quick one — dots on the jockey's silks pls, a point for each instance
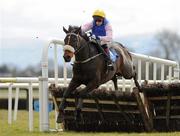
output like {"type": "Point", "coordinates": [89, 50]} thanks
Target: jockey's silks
{"type": "Point", "coordinates": [99, 30]}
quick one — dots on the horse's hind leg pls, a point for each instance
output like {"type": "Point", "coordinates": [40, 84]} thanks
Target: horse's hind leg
{"type": "Point", "coordinates": [114, 79]}
{"type": "Point", "coordinates": [136, 82]}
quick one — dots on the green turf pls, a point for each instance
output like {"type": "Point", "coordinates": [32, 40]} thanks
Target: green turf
{"type": "Point", "coordinates": [20, 128]}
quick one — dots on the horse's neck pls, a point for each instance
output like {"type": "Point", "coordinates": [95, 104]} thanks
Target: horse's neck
{"type": "Point", "coordinates": [93, 49]}
{"type": "Point", "coordinates": [84, 53]}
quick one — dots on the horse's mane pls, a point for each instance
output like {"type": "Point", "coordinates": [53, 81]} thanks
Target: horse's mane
{"type": "Point", "coordinates": [73, 29]}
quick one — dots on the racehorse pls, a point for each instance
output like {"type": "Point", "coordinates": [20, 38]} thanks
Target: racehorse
{"type": "Point", "coordinates": [90, 68]}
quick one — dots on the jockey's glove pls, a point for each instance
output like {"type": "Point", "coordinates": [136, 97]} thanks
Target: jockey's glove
{"type": "Point", "coordinates": [95, 37]}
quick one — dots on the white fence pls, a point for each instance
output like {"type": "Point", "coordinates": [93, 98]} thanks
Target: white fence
{"type": "Point", "coordinates": [146, 66]}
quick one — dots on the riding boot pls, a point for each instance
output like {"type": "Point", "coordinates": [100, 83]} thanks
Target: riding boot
{"type": "Point", "coordinates": [107, 56]}
{"type": "Point", "coordinates": [101, 49]}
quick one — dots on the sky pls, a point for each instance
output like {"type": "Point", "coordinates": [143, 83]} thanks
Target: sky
{"type": "Point", "coordinates": [25, 25]}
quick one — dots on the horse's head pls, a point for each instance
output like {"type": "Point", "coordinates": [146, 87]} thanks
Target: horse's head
{"type": "Point", "coordinates": [72, 42]}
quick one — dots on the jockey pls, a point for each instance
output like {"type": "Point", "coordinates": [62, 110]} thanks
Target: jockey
{"type": "Point", "coordinates": [102, 31]}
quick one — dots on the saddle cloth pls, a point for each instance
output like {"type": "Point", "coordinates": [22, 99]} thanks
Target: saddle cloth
{"type": "Point", "coordinates": [113, 54]}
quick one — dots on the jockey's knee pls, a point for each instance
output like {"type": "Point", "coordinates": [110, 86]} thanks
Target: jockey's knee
{"type": "Point", "coordinates": [106, 49]}
{"type": "Point", "coordinates": [104, 46]}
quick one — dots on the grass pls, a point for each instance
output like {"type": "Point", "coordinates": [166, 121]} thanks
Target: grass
{"type": "Point", "coordinates": [20, 128]}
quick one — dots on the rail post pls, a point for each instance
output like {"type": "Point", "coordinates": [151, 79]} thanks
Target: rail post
{"type": "Point", "coordinates": [44, 96]}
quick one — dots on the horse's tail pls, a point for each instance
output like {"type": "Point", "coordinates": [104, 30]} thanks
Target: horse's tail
{"type": "Point", "coordinates": [124, 48]}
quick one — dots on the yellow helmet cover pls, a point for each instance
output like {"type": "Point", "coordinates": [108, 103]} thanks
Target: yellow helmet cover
{"type": "Point", "coordinates": [99, 13]}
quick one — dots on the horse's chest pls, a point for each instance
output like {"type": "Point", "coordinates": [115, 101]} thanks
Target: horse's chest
{"type": "Point", "coordinates": [85, 72]}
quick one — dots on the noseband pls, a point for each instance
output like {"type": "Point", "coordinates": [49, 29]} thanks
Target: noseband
{"type": "Point", "coordinates": [70, 47]}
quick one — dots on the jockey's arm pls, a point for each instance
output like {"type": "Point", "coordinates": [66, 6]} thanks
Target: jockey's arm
{"type": "Point", "coordinates": [86, 27]}
{"type": "Point", "coordinates": [108, 37]}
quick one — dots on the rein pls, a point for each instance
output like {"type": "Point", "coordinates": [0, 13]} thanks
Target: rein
{"type": "Point", "coordinates": [71, 48]}
{"type": "Point", "coordinates": [76, 51]}
{"type": "Point", "coordinates": [87, 60]}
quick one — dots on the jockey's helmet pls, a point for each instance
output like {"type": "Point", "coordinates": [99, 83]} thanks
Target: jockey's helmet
{"type": "Point", "coordinates": [99, 13]}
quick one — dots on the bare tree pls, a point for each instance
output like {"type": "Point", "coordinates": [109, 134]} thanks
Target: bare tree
{"type": "Point", "coordinates": [169, 42]}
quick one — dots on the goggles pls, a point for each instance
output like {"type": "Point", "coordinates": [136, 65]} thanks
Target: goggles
{"type": "Point", "coordinates": [98, 20]}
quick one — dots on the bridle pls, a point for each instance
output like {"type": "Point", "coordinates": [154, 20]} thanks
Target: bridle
{"type": "Point", "coordinates": [78, 45]}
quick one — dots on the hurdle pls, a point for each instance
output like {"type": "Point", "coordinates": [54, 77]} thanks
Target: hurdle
{"type": "Point", "coordinates": [173, 75]}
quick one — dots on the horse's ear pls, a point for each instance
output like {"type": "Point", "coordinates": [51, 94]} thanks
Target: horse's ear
{"type": "Point", "coordinates": [78, 31]}
{"type": "Point", "coordinates": [70, 28]}
{"type": "Point", "coordinates": [65, 30]}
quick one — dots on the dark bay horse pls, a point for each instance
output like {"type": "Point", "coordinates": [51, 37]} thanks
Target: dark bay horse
{"type": "Point", "coordinates": [90, 66]}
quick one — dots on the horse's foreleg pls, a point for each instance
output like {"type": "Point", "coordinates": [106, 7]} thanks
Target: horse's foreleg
{"type": "Point", "coordinates": [90, 86]}
{"type": "Point", "coordinates": [72, 86]}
